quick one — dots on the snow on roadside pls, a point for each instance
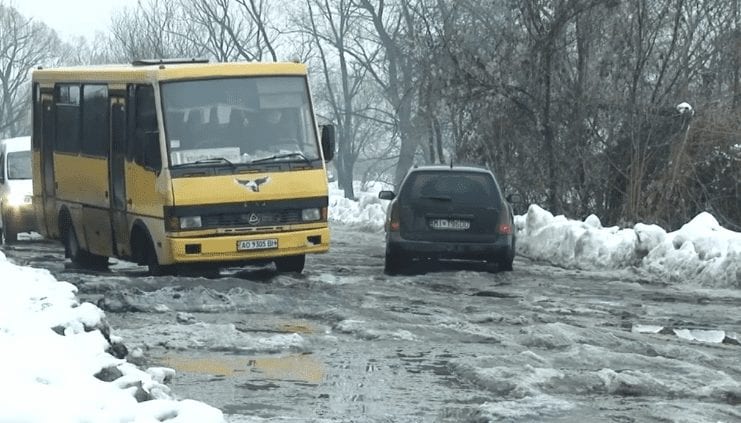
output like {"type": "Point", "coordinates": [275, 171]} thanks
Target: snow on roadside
{"type": "Point", "coordinates": [701, 252]}
{"type": "Point", "coordinates": [58, 361]}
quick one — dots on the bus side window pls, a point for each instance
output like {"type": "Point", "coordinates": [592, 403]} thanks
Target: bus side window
{"type": "Point", "coordinates": [68, 118]}
{"type": "Point", "coordinates": [146, 136]}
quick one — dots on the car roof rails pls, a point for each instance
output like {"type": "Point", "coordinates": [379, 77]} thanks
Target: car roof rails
{"type": "Point", "coordinates": [172, 61]}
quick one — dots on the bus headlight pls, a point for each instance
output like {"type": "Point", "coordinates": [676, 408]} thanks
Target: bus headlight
{"type": "Point", "coordinates": [190, 222]}
{"type": "Point", "coordinates": [310, 215]}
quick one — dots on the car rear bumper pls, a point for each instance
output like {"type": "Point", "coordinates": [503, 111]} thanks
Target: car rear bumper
{"type": "Point", "coordinates": [449, 250]}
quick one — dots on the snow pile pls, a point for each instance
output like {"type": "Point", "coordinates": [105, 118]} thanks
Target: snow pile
{"type": "Point", "coordinates": [700, 252]}
{"type": "Point", "coordinates": [368, 213]}
{"type": "Point", "coordinates": [59, 363]}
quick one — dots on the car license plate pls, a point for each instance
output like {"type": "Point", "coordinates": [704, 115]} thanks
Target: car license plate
{"type": "Point", "coordinates": [450, 224]}
{"type": "Point", "coordinates": [257, 244]}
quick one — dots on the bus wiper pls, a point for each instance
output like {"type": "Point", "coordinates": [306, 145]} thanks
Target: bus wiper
{"type": "Point", "coordinates": [212, 160]}
{"type": "Point", "coordinates": [297, 154]}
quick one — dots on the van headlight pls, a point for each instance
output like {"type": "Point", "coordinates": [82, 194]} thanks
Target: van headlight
{"type": "Point", "coordinates": [190, 222]}
{"type": "Point", "coordinates": [311, 215]}
{"type": "Point", "coordinates": [16, 200]}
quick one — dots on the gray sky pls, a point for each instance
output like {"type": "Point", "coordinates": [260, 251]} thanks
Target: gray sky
{"type": "Point", "coordinates": [71, 18]}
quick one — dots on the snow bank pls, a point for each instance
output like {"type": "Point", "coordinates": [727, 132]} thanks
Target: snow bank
{"type": "Point", "coordinates": [700, 252]}
{"type": "Point", "coordinates": [58, 364]}
{"type": "Point", "coordinates": [367, 213]}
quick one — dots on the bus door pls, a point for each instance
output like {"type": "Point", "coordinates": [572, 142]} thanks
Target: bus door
{"type": "Point", "coordinates": [49, 224]}
{"type": "Point", "coordinates": [117, 179]}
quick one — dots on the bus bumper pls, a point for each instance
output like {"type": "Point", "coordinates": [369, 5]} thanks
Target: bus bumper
{"type": "Point", "coordinates": [215, 249]}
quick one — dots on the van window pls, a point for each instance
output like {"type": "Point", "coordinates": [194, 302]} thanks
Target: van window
{"type": "Point", "coordinates": [19, 165]}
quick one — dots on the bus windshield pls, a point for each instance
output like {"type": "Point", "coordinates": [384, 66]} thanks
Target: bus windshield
{"type": "Point", "coordinates": [239, 120]}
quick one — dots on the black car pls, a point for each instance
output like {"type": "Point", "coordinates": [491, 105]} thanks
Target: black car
{"type": "Point", "coordinates": [448, 212]}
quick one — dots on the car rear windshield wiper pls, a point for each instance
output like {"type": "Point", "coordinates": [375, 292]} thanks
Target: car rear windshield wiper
{"type": "Point", "coordinates": [297, 154]}
{"type": "Point", "coordinates": [437, 197]}
{"type": "Point", "coordinates": [212, 160]}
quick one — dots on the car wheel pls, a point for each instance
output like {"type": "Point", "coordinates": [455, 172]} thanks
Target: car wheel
{"type": "Point", "coordinates": [394, 261]}
{"type": "Point", "coordinates": [10, 234]}
{"type": "Point", "coordinates": [290, 264]}
{"type": "Point", "coordinates": [505, 262]}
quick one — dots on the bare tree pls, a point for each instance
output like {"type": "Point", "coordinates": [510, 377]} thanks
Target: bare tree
{"type": "Point", "coordinates": [24, 44]}
{"type": "Point", "coordinates": [155, 29]}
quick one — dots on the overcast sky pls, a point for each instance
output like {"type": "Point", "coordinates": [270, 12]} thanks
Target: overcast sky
{"type": "Point", "coordinates": [72, 18]}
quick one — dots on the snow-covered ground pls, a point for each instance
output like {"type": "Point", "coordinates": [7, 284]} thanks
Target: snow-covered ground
{"type": "Point", "coordinates": [58, 357]}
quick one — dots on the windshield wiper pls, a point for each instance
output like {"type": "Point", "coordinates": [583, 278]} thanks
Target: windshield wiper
{"type": "Point", "coordinates": [437, 197]}
{"type": "Point", "coordinates": [297, 154]}
{"type": "Point", "coordinates": [212, 160]}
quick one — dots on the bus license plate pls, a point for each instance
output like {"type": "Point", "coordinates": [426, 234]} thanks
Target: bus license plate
{"type": "Point", "coordinates": [450, 224]}
{"type": "Point", "coordinates": [257, 244]}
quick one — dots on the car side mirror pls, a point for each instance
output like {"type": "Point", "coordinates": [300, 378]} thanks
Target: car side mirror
{"type": "Point", "coordinates": [514, 198]}
{"type": "Point", "coordinates": [386, 195]}
{"type": "Point", "coordinates": [328, 141]}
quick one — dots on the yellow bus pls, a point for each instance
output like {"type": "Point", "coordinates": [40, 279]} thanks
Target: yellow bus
{"type": "Point", "coordinates": [170, 163]}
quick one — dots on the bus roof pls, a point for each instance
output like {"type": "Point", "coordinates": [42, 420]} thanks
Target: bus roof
{"type": "Point", "coordinates": [163, 72]}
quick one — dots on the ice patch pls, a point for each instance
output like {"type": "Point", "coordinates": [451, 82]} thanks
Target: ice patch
{"type": "Point", "coordinates": [712, 336]}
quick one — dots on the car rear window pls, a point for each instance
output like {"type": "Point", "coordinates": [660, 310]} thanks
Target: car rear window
{"type": "Point", "coordinates": [461, 187]}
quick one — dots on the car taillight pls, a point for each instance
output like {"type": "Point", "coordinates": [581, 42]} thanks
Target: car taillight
{"type": "Point", "coordinates": [504, 229]}
{"type": "Point", "coordinates": [393, 223]}
{"type": "Point", "coordinates": [505, 223]}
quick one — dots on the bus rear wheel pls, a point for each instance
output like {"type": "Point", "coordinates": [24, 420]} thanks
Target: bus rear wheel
{"type": "Point", "coordinates": [290, 264]}
{"type": "Point", "coordinates": [77, 255]}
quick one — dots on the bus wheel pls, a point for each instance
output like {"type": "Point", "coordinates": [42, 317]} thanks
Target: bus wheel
{"type": "Point", "coordinates": [290, 264]}
{"type": "Point", "coordinates": [153, 264]}
{"type": "Point", "coordinates": [72, 247]}
{"type": "Point", "coordinates": [78, 256]}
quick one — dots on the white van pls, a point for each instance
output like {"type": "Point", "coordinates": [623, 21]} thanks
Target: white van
{"type": "Point", "coordinates": [16, 188]}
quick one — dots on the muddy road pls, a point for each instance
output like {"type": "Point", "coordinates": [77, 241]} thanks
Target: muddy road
{"type": "Point", "coordinates": [344, 342]}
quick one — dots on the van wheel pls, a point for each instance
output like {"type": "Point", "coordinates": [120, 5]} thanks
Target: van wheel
{"type": "Point", "coordinates": [290, 264]}
{"type": "Point", "coordinates": [10, 234]}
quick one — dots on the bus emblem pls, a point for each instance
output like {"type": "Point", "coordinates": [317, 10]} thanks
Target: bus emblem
{"type": "Point", "coordinates": [254, 185]}
{"type": "Point", "coordinates": [254, 219]}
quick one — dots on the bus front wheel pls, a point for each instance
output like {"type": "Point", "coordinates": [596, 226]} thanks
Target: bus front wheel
{"type": "Point", "coordinates": [290, 264]}
{"type": "Point", "coordinates": [153, 263]}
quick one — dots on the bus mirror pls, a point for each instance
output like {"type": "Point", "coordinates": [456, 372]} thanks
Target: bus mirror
{"type": "Point", "coordinates": [328, 141]}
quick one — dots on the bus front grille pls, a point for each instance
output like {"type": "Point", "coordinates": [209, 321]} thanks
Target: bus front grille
{"type": "Point", "coordinates": [262, 218]}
